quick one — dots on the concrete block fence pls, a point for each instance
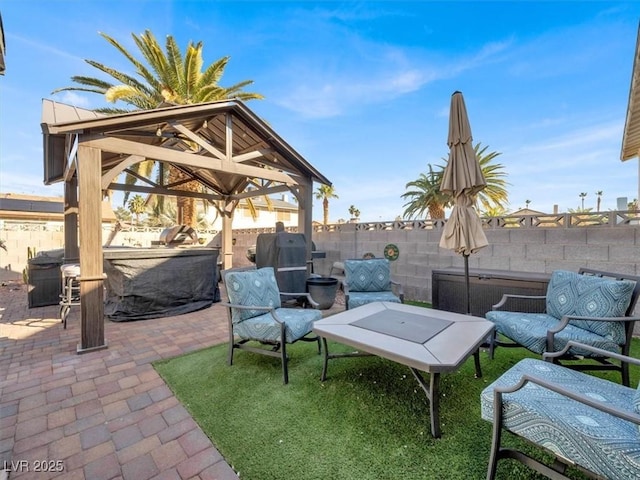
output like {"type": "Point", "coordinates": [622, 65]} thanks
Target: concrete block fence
{"type": "Point", "coordinates": [611, 247]}
{"type": "Point", "coordinates": [609, 244]}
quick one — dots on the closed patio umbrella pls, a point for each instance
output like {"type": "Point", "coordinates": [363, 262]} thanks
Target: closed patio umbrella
{"type": "Point", "coordinates": [463, 179]}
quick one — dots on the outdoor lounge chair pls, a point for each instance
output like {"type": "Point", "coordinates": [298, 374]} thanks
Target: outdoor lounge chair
{"type": "Point", "coordinates": [369, 280]}
{"type": "Point", "coordinates": [256, 314]}
{"type": "Point", "coordinates": [582, 420]}
{"type": "Point", "coordinates": [589, 307]}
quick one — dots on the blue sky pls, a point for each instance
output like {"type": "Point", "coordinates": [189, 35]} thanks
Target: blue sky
{"type": "Point", "coordinates": [362, 89]}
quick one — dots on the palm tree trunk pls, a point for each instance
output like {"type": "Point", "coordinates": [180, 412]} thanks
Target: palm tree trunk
{"type": "Point", "coordinates": [436, 211]}
{"type": "Point", "coordinates": [186, 206]}
{"type": "Point", "coordinates": [325, 210]}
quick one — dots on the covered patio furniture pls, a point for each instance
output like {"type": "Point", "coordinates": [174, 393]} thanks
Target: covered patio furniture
{"type": "Point", "coordinates": [582, 420]}
{"type": "Point", "coordinates": [369, 280]}
{"type": "Point", "coordinates": [256, 315]}
{"type": "Point", "coordinates": [590, 307]}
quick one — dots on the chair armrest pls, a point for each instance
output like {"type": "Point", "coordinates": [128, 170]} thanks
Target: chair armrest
{"type": "Point", "coordinates": [270, 310]}
{"type": "Point", "coordinates": [564, 321]}
{"type": "Point", "coordinates": [311, 301]}
{"type": "Point", "coordinates": [399, 289]}
{"type": "Point", "coordinates": [600, 319]}
{"type": "Point", "coordinates": [510, 296]}
{"type": "Point", "coordinates": [245, 307]}
{"type": "Point", "coordinates": [526, 378]}
{"type": "Point", "coordinates": [549, 356]}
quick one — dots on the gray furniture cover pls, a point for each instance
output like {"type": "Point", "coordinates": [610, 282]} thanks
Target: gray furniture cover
{"type": "Point", "coordinates": [287, 254]}
{"type": "Point", "coordinates": [159, 282]}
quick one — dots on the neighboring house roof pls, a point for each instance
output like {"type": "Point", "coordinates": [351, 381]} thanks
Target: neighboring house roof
{"type": "Point", "coordinates": [2, 48]}
{"type": "Point", "coordinates": [14, 206]}
{"type": "Point", "coordinates": [631, 135]}
{"type": "Point", "coordinates": [277, 204]}
{"type": "Point", "coordinates": [526, 211]}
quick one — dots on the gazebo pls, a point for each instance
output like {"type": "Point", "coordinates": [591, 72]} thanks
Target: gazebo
{"type": "Point", "coordinates": [223, 145]}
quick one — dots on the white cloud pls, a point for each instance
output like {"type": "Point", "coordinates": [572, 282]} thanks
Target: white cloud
{"type": "Point", "coordinates": [75, 99]}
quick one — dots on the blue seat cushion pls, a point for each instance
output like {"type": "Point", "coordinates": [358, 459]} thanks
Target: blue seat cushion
{"type": "Point", "coordinates": [298, 322]}
{"type": "Point", "coordinates": [357, 299]}
{"type": "Point", "coordinates": [602, 443]}
{"type": "Point", "coordinates": [257, 288]}
{"type": "Point", "coordinates": [530, 331]}
{"type": "Point", "coordinates": [571, 293]}
{"type": "Point", "coordinates": [371, 275]}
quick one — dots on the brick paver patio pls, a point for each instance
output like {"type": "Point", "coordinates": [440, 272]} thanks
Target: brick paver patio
{"type": "Point", "coordinates": [105, 414]}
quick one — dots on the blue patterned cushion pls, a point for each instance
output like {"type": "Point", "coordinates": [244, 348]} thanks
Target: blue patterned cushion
{"type": "Point", "coordinates": [257, 288]}
{"type": "Point", "coordinates": [595, 440]}
{"type": "Point", "coordinates": [571, 293]}
{"type": "Point", "coordinates": [357, 299]}
{"type": "Point", "coordinates": [298, 322]}
{"type": "Point", "coordinates": [372, 275]}
{"type": "Point", "coordinates": [530, 331]}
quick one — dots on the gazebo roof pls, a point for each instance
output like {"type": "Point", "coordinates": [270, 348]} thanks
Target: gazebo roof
{"type": "Point", "coordinates": [223, 145]}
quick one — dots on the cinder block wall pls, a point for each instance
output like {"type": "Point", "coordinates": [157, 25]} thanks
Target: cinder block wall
{"type": "Point", "coordinates": [530, 249]}
{"type": "Point", "coordinates": [615, 249]}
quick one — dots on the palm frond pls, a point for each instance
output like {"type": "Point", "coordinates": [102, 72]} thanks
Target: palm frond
{"type": "Point", "coordinates": [214, 72]}
{"type": "Point", "coordinates": [192, 68]}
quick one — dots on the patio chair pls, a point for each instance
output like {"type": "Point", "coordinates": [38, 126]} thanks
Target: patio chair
{"type": "Point", "coordinates": [256, 315]}
{"type": "Point", "coordinates": [337, 271]}
{"type": "Point", "coordinates": [591, 307]}
{"type": "Point", "coordinates": [369, 280]}
{"type": "Point", "coordinates": [582, 420]}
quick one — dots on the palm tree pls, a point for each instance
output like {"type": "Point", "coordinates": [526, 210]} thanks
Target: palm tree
{"type": "Point", "coordinates": [495, 194]}
{"type": "Point", "coordinates": [582, 197]}
{"type": "Point", "coordinates": [355, 213]}
{"type": "Point", "coordinates": [137, 205]}
{"type": "Point", "coordinates": [426, 196]}
{"type": "Point", "coordinates": [167, 77]}
{"type": "Point", "coordinates": [171, 77]}
{"type": "Point", "coordinates": [598, 200]}
{"type": "Point", "coordinates": [493, 212]}
{"type": "Point", "coordinates": [324, 193]}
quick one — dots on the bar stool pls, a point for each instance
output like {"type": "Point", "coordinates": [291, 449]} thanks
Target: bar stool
{"type": "Point", "coordinates": [70, 295]}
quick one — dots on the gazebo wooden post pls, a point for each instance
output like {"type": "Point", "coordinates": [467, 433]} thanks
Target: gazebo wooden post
{"type": "Point", "coordinates": [305, 215]}
{"type": "Point", "coordinates": [91, 268]}
{"type": "Point", "coordinates": [227, 236]}
{"type": "Point", "coordinates": [71, 251]}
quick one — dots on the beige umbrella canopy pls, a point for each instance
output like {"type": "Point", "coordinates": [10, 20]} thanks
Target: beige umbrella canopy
{"type": "Point", "coordinates": [463, 179]}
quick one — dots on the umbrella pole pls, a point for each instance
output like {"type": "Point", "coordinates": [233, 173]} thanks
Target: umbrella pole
{"type": "Point", "coordinates": [466, 281]}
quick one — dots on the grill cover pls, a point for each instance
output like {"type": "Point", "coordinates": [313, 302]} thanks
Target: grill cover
{"type": "Point", "coordinates": [287, 254]}
{"type": "Point", "coordinates": [159, 282]}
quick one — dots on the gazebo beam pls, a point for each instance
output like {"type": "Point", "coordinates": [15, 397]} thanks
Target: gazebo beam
{"type": "Point", "coordinates": [119, 145]}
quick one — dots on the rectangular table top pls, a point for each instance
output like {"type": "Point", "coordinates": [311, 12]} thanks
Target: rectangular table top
{"type": "Point", "coordinates": [423, 338]}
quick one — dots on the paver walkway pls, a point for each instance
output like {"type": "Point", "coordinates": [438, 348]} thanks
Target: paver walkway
{"type": "Point", "coordinates": [105, 414]}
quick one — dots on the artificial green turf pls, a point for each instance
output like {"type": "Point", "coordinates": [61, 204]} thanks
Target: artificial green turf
{"type": "Point", "coordinates": [368, 420]}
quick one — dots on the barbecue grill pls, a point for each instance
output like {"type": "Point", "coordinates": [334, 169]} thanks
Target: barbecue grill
{"type": "Point", "coordinates": [178, 235]}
